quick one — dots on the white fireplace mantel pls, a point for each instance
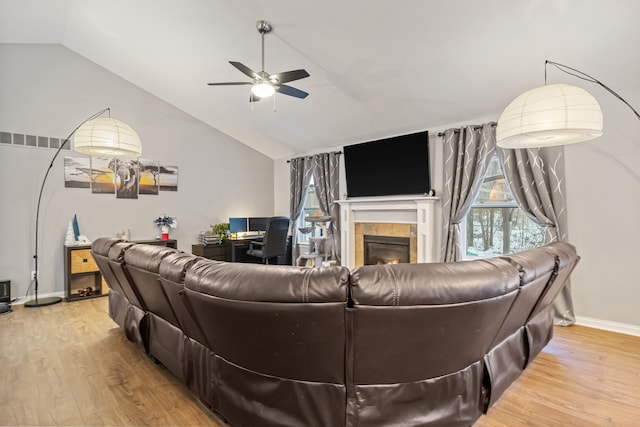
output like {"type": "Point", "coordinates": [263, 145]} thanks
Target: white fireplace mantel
{"type": "Point", "coordinates": [420, 210]}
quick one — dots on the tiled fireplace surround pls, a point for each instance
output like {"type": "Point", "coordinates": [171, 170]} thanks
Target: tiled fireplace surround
{"type": "Point", "coordinates": [413, 217]}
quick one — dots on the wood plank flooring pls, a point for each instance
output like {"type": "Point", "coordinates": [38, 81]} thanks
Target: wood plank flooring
{"type": "Point", "coordinates": [583, 377]}
{"type": "Point", "coordinates": [70, 364]}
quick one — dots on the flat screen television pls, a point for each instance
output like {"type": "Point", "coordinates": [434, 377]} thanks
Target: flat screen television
{"type": "Point", "coordinates": [388, 167]}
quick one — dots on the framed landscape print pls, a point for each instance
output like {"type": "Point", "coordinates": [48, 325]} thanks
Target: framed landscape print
{"type": "Point", "coordinates": [102, 175]}
{"type": "Point", "coordinates": [149, 176]}
{"type": "Point", "coordinates": [168, 178]}
{"type": "Point", "coordinates": [126, 178]}
{"type": "Point", "coordinates": [77, 172]}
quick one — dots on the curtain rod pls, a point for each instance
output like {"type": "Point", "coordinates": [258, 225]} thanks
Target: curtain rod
{"type": "Point", "coordinates": [311, 157]}
{"type": "Point", "coordinates": [493, 124]}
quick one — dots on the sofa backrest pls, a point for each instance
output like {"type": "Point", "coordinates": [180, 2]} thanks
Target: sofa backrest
{"type": "Point", "coordinates": [282, 321]}
{"type": "Point", "coordinates": [172, 273]}
{"type": "Point", "coordinates": [100, 250]}
{"type": "Point", "coordinates": [426, 320]}
{"type": "Point", "coordinates": [536, 268]}
{"type": "Point", "coordinates": [143, 264]}
{"type": "Point", "coordinates": [566, 260]}
{"type": "Point", "coordinates": [116, 262]}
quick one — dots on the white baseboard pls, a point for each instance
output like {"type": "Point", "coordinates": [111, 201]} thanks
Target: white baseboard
{"type": "Point", "coordinates": [607, 325]}
{"type": "Point", "coordinates": [22, 300]}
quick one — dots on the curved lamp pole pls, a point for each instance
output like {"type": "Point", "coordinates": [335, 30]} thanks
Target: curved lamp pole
{"type": "Point", "coordinates": [99, 136]}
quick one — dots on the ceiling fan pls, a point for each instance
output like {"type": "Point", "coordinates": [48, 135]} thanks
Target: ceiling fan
{"type": "Point", "coordinates": [264, 84]}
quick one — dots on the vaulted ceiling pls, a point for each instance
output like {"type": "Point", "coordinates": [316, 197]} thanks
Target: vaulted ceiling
{"type": "Point", "coordinates": [378, 67]}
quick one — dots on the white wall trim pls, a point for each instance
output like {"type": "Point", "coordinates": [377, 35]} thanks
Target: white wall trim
{"type": "Point", "coordinates": [608, 325]}
{"type": "Point", "coordinates": [420, 210]}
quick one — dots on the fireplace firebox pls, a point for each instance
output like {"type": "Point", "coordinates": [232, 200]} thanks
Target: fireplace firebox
{"type": "Point", "coordinates": [386, 250]}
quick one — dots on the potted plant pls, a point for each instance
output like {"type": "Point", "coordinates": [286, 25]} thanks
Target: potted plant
{"type": "Point", "coordinates": [165, 222]}
{"type": "Point", "coordinates": [220, 230]}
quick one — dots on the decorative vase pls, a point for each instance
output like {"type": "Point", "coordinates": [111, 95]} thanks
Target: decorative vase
{"type": "Point", "coordinates": [165, 232]}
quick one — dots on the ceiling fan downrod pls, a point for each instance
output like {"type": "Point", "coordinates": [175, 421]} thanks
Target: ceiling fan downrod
{"type": "Point", "coordinates": [263, 28]}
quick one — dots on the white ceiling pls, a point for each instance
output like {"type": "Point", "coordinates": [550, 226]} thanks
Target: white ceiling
{"type": "Point", "coordinates": [378, 67]}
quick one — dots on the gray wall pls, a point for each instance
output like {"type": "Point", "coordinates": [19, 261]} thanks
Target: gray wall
{"type": "Point", "coordinates": [48, 90]}
{"type": "Point", "coordinates": [603, 196]}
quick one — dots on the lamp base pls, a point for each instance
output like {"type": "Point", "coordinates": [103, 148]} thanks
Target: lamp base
{"type": "Point", "coordinates": [41, 302]}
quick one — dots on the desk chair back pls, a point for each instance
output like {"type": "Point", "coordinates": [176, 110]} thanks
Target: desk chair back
{"type": "Point", "coordinates": [274, 243]}
{"type": "Point", "coordinates": [275, 237]}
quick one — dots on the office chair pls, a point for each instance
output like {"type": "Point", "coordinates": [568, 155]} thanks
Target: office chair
{"type": "Point", "coordinates": [274, 242]}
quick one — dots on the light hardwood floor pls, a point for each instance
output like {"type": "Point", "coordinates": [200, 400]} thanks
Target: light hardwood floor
{"type": "Point", "coordinates": [70, 364]}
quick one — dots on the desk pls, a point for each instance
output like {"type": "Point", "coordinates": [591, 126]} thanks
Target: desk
{"type": "Point", "coordinates": [228, 250]}
{"type": "Point", "coordinates": [237, 250]}
{"type": "Point", "coordinates": [233, 251]}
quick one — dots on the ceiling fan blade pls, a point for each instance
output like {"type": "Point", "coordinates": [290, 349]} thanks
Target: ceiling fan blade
{"type": "Point", "coordinates": [229, 84]}
{"type": "Point", "coordinates": [288, 76]}
{"type": "Point", "coordinates": [246, 70]}
{"type": "Point", "coordinates": [291, 91]}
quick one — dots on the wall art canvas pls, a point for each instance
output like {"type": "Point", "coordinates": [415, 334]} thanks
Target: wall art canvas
{"type": "Point", "coordinates": [77, 172]}
{"type": "Point", "coordinates": [149, 176]}
{"type": "Point", "coordinates": [102, 175]}
{"type": "Point", "coordinates": [126, 178]}
{"type": "Point", "coordinates": [168, 178]}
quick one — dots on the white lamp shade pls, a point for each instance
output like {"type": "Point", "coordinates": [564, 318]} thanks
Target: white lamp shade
{"type": "Point", "coordinates": [107, 137]}
{"type": "Point", "coordinates": [263, 90]}
{"type": "Point", "coordinates": [550, 115]}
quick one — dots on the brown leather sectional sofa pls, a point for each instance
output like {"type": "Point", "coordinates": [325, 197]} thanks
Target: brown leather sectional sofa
{"type": "Point", "coordinates": [406, 344]}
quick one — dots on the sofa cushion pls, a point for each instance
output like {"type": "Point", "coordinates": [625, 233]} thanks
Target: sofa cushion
{"type": "Point", "coordinates": [537, 268]}
{"type": "Point", "coordinates": [436, 283]}
{"type": "Point", "coordinates": [172, 273]}
{"type": "Point", "coordinates": [116, 263]}
{"type": "Point", "coordinates": [279, 321]}
{"type": "Point", "coordinates": [268, 283]}
{"type": "Point", "coordinates": [566, 259]}
{"type": "Point", "coordinates": [426, 320]}
{"type": "Point", "coordinates": [146, 257]}
{"type": "Point", "coordinates": [100, 250]}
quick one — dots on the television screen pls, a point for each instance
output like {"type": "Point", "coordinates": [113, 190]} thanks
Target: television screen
{"type": "Point", "coordinates": [388, 167]}
{"type": "Point", "coordinates": [237, 225]}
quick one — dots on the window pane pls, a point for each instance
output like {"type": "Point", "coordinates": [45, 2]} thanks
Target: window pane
{"type": "Point", "coordinates": [311, 208]}
{"type": "Point", "coordinates": [500, 230]}
{"type": "Point", "coordinates": [494, 188]}
{"type": "Point", "coordinates": [495, 225]}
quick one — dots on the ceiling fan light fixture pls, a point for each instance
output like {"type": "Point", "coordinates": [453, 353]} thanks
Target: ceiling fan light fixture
{"type": "Point", "coordinates": [263, 84]}
{"type": "Point", "coordinates": [263, 89]}
{"type": "Point", "coordinates": [549, 115]}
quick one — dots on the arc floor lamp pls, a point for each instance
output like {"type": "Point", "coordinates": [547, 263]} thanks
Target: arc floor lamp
{"type": "Point", "coordinates": [96, 135]}
{"type": "Point", "coordinates": [549, 115]}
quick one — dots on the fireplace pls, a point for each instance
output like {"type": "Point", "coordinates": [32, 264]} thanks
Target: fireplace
{"type": "Point", "coordinates": [386, 250]}
{"type": "Point", "coordinates": [415, 217]}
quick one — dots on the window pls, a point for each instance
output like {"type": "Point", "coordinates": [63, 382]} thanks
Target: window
{"type": "Point", "coordinates": [495, 225]}
{"type": "Point", "coordinates": [311, 208]}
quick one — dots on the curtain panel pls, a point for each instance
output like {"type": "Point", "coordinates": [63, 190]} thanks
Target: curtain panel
{"type": "Point", "coordinates": [467, 153]}
{"type": "Point", "coordinates": [536, 178]}
{"type": "Point", "coordinates": [300, 170]}
{"type": "Point", "coordinates": [326, 178]}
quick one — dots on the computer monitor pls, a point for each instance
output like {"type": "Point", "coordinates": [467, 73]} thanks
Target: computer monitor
{"type": "Point", "coordinates": [258, 223]}
{"type": "Point", "coordinates": [238, 225]}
